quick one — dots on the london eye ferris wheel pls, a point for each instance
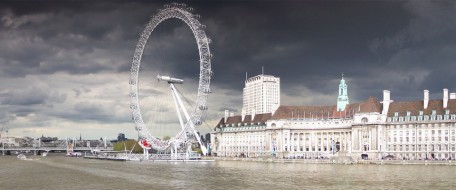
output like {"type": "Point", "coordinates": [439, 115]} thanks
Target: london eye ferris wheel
{"type": "Point", "coordinates": [188, 118]}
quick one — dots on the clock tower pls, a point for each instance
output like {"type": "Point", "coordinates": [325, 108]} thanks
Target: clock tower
{"type": "Point", "coordinates": [342, 100]}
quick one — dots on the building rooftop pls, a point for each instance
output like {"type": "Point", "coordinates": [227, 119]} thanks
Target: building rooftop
{"type": "Point", "coordinates": [414, 107]}
{"type": "Point", "coordinates": [259, 118]}
{"type": "Point", "coordinates": [286, 112]}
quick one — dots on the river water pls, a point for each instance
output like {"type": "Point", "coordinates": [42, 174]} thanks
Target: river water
{"type": "Point", "coordinates": [58, 172]}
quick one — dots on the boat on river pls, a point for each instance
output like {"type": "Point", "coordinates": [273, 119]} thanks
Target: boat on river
{"type": "Point", "coordinates": [108, 155]}
{"type": "Point", "coordinates": [21, 157]}
{"type": "Point", "coordinates": [73, 154]}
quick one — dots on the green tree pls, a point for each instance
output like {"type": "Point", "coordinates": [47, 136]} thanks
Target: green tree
{"type": "Point", "coordinates": [165, 138]}
{"type": "Point", "coordinates": [128, 145]}
{"type": "Point", "coordinates": [198, 150]}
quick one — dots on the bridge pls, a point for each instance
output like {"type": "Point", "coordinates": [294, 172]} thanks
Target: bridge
{"type": "Point", "coordinates": [37, 146]}
{"type": "Point", "coordinates": [36, 150]}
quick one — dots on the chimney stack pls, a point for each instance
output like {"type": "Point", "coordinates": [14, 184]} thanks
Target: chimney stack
{"type": "Point", "coordinates": [386, 102]}
{"type": "Point", "coordinates": [445, 98]}
{"type": "Point", "coordinates": [452, 96]}
{"type": "Point", "coordinates": [243, 113]}
{"type": "Point", "coordinates": [227, 114]}
{"type": "Point", "coordinates": [426, 99]}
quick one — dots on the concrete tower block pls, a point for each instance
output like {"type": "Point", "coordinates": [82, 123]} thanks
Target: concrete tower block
{"type": "Point", "coordinates": [426, 99]}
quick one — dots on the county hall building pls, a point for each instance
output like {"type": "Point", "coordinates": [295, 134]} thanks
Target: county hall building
{"type": "Point", "coordinates": [371, 129]}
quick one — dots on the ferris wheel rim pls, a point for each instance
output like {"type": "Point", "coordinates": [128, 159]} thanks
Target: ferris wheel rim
{"type": "Point", "coordinates": [183, 13]}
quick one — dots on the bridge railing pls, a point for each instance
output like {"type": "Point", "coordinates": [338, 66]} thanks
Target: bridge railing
{"type": "Point", "coordinates": [56, 148]}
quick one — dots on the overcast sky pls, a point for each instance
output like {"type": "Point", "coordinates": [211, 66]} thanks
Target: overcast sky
{"type": "Point", "coordinates": [64, 65]}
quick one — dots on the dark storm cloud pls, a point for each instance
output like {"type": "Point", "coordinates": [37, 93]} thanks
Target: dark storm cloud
{"type": "Point", "coordinates": [402, 46]}
{"type": "Point", "coordinates": [305, 43]}
{"type": "Point", "coordinates": [87, 112]}
{"type": "Point", "coordinates": [423, 48]}
{"type": "Point", "coordinates": [74, 37]}
{"type": "Point", "coordinates": [297, 40]}
{"type": "Point", "coordinates": [31, 96]}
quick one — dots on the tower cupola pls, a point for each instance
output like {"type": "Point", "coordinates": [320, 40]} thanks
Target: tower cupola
{"type": "Point", "coordinates": [342, 100]}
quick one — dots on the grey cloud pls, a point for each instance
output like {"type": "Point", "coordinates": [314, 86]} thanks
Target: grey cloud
{"type": "Point", "coordinates": [29, 96]}
{"type": "Point", "coordinates": [89, 112]}
{"type": "Point", "coordinates": [403, 46]}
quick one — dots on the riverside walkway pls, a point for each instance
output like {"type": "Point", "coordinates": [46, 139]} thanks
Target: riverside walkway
{"type": "Point", "coordinates": [333, 161]}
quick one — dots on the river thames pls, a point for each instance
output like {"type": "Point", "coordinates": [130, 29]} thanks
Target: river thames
{"type": "Point", "coordinates": [58, 172]}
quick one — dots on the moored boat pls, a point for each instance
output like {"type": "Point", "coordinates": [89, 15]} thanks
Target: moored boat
{"type": "Point", "coordinates": [73, 154]}
{"type": "Point", "coordinates": [21, 157]}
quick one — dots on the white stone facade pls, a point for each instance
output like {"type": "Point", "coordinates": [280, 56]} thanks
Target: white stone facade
{"type": "Point", "coordinates": [423, 129]}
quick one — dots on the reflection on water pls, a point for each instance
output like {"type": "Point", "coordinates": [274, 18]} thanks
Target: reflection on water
{"type": "Point", "coordinates": [58, 172]}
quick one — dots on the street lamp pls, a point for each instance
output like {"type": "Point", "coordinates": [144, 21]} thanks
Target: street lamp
{"type": "Point", "coordinates": [427, 147]}
{"type": "Point", "coordinates": [416, 140]}
{"type": "Point", "coordinates": [261, 149]}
